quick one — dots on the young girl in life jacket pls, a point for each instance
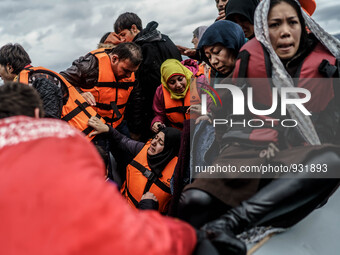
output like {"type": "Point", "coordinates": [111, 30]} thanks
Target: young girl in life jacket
{"type": "Point", "coordinates": [148, 175]}
{"type": "Point", "coordinates": [178, 97]}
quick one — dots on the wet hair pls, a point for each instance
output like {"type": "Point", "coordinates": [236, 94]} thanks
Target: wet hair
{"type": "Point", "coordinates": [102, 43]}
{"type": "Point", "coordinates": [129, 50]}
{"type": "Point", "coordinates": [15, 56]}
{"type": "Point", "coordinates": [19, 99]}
{"type": "Point", "coordinates": [297, 8]}
{"type": "Point", "coordinates": [104, 37]}
{"type": "Point", "coordinates": [126, 20]}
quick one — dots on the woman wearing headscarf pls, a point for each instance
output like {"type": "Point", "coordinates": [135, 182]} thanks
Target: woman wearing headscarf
{"type": "Point", "coordinates": [178, 97]}
{"type": "Point", "coordinates": [149, 173]}
{"type": "Point", "coordinates": [242, 13]}
{"type": "Point", "coordinates": [281, 51]}
{"type": "Point", "coordinates": [220, 45]}
{"type": "Point", "coordinates": [197, 35]}
{"type": "Point", "coordinates": [203, 68]}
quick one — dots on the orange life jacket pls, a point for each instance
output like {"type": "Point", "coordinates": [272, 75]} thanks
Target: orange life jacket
{"type": "Point", "coordinates": [176, 109]}
{"type": "Point", "coordinates": [140, 179]}
{"type": "Point", "coordinates": [76, 111]}
{"type": "Point", "coordinates": [204, 69]}
{"type": "Point", "coordinates": [111, 96]}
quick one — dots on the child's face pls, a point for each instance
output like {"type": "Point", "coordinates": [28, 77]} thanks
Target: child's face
{"type": "Point", "coordinates": [177, 83]}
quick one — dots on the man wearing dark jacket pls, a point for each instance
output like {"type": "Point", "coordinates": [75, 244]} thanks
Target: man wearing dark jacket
{"type": "Point", "coordinates": [106, 79]}
{"type": "Point", "coordinates": [156, 48]}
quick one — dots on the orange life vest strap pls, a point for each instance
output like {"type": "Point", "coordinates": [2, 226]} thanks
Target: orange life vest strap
{"type": "Point", "coordinates": [89, 129]}
{"type": "Point", "coordinates": [74, 98]}
{"type": "Point", "coordinates": [81, 107]}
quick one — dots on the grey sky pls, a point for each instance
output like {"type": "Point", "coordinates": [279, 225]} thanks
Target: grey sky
{"type": "Point", "coordinates": [56, 33]}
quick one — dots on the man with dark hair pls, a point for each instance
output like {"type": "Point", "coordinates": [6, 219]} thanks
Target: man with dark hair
{"type": "Point", "coordinates": [106, 79]}
{"type": "Point", "coordinates": [13, 58]}
{"type": "Point", "coordinates": [18, 99]}
{"type": "Point", "coordinates": [129, 21]}
{"type": "Point", "coordinates": [156, 48]}
{"type": "Point", "coordinates": [60, 98]}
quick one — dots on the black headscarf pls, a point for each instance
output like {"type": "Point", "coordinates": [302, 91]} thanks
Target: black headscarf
{"type": "Point", "coordinates": [172, 141]}
{"type": "Point", "coordinates": [245, 8]}
{"type": "Point", "coordinates": [225, 32]}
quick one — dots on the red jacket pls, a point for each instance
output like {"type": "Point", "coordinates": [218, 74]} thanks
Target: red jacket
{"type": "Point", "coordinates": [54, 199]}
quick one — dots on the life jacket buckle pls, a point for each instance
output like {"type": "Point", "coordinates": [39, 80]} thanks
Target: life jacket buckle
{"type": "Point", "coordinates": [326, 69]}
{"type": "Point", "coordinates": [149, 175]}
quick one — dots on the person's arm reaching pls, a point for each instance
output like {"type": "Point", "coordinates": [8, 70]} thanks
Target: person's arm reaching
{"type": "Point", "coordinates": [125, 143]}
{"type": "Point", "coordinates": [158, 107]}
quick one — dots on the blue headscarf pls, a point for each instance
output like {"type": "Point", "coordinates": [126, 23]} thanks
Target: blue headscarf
{"type": "Point", "coordinates": [225, 32]}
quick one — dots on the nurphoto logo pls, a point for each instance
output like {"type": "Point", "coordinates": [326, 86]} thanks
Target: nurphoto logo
{"type": "Point", "coordinates": [239, 103]}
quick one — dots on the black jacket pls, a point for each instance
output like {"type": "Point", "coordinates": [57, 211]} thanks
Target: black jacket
{"type": "Point", "coordinates": [52, 93]}
{"type": "Point", "coordinates": [156, 48]}
{"type": "Point", "coordinates": [83, 73]}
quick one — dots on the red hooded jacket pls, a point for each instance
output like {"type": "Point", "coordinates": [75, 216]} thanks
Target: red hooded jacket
{"type": "Point", "coordinates": [54, 199]}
